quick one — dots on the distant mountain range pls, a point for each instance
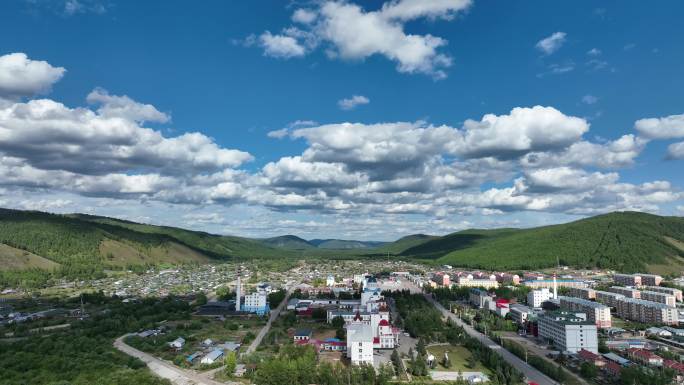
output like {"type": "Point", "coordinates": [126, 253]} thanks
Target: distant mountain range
{"type": "Point", "coordinates": [626, 241]}
{"type": "Point", "coordinates": [296, 243]}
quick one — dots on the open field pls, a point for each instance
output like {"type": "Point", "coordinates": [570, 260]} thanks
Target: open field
{"type": "Point", "coordinates": [458, 355]}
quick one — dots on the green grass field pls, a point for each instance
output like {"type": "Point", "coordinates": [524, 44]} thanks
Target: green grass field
{"type": "Point", "coordinates": [458, 355]}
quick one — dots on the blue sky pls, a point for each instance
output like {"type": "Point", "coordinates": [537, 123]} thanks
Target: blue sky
{"type": "Point", "coordinates": [235, 71]}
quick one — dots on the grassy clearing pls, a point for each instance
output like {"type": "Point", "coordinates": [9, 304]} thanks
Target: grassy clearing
{"type": "Point", "coordinates": [459, 359]}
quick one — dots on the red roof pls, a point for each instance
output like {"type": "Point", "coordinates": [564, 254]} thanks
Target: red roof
{"type": "Point", "coordinates": [613, 367]}
{"type": "Point", "coordinates": [376, 340]}
{"type": "Point", "coordinates": [678, 366]}
{"type": "Point", "coordinates": [589, 356]}
{"type": "Point", "coordinates": [383, 322]}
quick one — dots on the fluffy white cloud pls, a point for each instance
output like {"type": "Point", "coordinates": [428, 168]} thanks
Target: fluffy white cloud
{"type": "Point", "coordinates": [523, 130]}
{"type": "Point", "coordinates": [612, 154]}
{"type": "Point", "coordinates": [661, 128]}
{"type": "Point", "coordinates": [304, 16]}
{"type": "Point", "coordinates": [125, 107]}
{"type": "Point", "coordinates": [551, 44]}
{"type": "Point", "coordinates": [50, 135]}
{"type": "Point", "coordinates": [352, 33]}
{"type": "Point", "coordinates": [281, 46]}
{"type": "Point", "coordinates": [278, 134]}
{"type": "Point", "coordinates": [353, 102]}
{"type": "Point", "coordinates": [676, 151]}
{"type": "Point", "coordinates": [21, 76]}
{"type": "Point", "coordinates": [563, 178]}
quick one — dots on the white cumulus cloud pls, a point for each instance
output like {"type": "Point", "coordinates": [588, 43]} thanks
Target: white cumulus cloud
{"type": "Point", "coordinates": [353, 102]}
{"type": "Point", "coordinates": [21, 76]}
{"type": "Point", "coordinates": [552, 43]}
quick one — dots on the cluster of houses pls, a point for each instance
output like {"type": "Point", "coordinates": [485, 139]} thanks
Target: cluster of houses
{"type": "Point", "coordinates": [366, 320]}
{"type": "Point", "coordinates": [209, 351]}
{"type": "Point", "coordinates": [253, 303]}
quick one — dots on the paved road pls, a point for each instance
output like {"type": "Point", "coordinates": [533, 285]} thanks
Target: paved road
{"type": "Point", "coordinates": [528, 371]}
{"type": "Point", "coordinates": [164, 369]}
{"type": "Point", "coordinates": [274, 314]}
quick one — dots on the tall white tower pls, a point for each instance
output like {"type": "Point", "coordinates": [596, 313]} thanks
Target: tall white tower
{"type": "Point", "coordinates": [238, 294]}
{"type": "Point", "coordinates": [555, 287]}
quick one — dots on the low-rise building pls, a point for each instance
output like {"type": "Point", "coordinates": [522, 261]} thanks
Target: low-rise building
{"type": "Point", "coordinates": [667, 299]}
{"type": "Point", "coordinates": [536, 297]}
{"type": "Point", "coordinates": [667, 290]}
{"type": "Point", "coordinates": [597, 313]}
{"type": "Point", "coordinates": [302, 335]}
{"type": "Point", "coordinates": [628, 292]}
{"type": "Point", "coordinates": [470, 281]}
{"type": "Point", "coordinates": [569, 332]}
{"type": "Point", "coordinates": [645, 357]}
{"type": "Point", "coordinates": [647, 311]}
{"type": "Point", "coordinates": [212, 357]}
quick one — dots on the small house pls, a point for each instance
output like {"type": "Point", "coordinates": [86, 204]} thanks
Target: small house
{"type": "Point", "coordinates": [178, 343]}
{"type": "Point", "coordinates": [212, 357]}
{"type": "Point", "coordinates": [302, 335]}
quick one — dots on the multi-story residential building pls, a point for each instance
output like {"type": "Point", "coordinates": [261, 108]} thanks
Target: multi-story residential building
{"type": "Point", "coordinates": [651, 279]}
{"type": "Point", "coordinates": [360, 343]}
{"type": "Point", "coordinates": [549, 283]}
{"type": "Point", "coordinates": [582, 292]}
{"type": "Point", "coordinates": [628, 292]}
{"type": "Point", "coordinates": [638, 279]}
{"type": "Point", "coordinates": [627, 279]}
{"type": "Point", "coordinates": [667, 299]}
{"type": "Point", "coordinates": [470, 281]}
{"type": "Point", "coordinates": [441, 279]}
{"type": "Point", "coordinates": [597, 313]}
{"type": "Point", "coordinates": [256, 302]}
{"type": "Point", "coordinates": [520, 314]}
{"type": "Point", "coordinates": [667, 290]}
{"type": "Point", "coordinates": [647, 311]}
{"type": "Point", "coordinates": [607, 298]}
{"type": "Point", "coordinates": [536, 297]}
{"type": "Point", "coordinates": [507, 278]}
{"type": "Point", "coordinates": [479, 297]}
{"type": "Point", "coordinates": [569, 332]}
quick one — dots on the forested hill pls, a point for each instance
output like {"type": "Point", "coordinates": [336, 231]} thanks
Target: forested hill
{"type": "Point", "coordinates": [625, 241]}
{"type": "Point", "coordinates": [37, 239]}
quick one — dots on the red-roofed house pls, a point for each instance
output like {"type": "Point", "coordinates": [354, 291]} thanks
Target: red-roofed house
{"type": "Point", "coordinates": [591, 358]}
{"type": "Point", "coordinates": [612, 368]}
{"type": "Point", "coordinates": [645, 357]}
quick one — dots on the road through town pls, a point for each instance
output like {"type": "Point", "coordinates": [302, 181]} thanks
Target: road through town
{"type": "Point", "coordinates": [164, 369]}
{"type": "Point", "coordinates": [528, 371]}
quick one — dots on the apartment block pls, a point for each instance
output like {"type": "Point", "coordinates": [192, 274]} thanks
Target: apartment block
{"type": "Point", "coordinates": [536, 297]}
{"type": "Point", "coordinates": [628, 292]}
{"type": "Point", "coordinates": [470, 281]}
{"type": "Point", "coordinates": [569, 332]}
{"type": "Point", "coordinates": [638, 279]}
{"type": "Point", "coordinates": [582, 292]}
{"type": "Point", "coordinates": [597, 313]}
{"type": "Point", "coordinates": [647, 311]}
{"type": "Point", "coordinates": [667, 299]}
{"type": "Point", "coordinates": [667, 290]}
{"type": "Point", "coordinates": [607, 298]}
{"type": "Point", "coordinates": [548, 283]}
{"type": "Point", "coordinates": [520, 314]}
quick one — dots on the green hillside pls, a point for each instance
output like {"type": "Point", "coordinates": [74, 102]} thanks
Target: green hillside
{"type": "Point", "coordinates": [626, 241]}
{"type": "Point", "coordinates": [400, 245]}
{"type": "Point", "coordinates": [91, 240]}
{"type": "Point", "coordinates": [290, 242]}
{"type": "Point", "coordinates": [343, 244]}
